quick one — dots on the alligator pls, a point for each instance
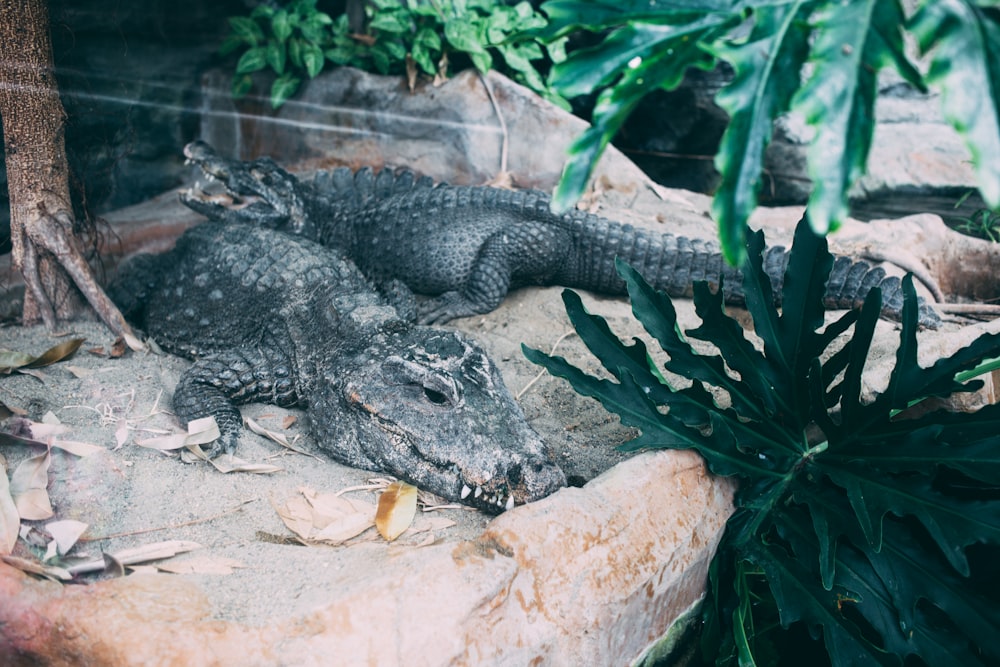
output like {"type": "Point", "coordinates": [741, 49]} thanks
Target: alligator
{"type": "Point", "coordinates": [270, 317]}
{"type": "Point", "coordinates": [466, 246]}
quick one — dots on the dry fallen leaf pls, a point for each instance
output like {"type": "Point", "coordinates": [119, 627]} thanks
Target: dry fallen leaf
{"type": "Point", "coordinates": [226, 463]}
{"type": "Point", "coordinates": [203, 565]}
{"type": "Point", "coordinates": [10, 520]}
{"type": "Point", "coordinates": [274, 436]}
{"type": "Point", "coordinates": [81, 449]}
{"type": "Point", "coordinates": [396, 508]}
{"type": "Point", "coordinates": [326, 517]}
{"type": "Point", "coordinates": [31, 567]}
{"type": "Point", "coordinates": [16, 361]}
{"type": "Point", "coordinates": [28, 487]}
{"type": "Point", "coordinates": [64, 534]}
{"type": "Point", "coordinates": [199, 432]}
{"type": "Point", "coordinates": [147, 552]}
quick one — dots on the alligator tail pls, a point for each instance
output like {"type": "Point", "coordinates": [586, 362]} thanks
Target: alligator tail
{"type": "Point", "coordinates": [674, 263]}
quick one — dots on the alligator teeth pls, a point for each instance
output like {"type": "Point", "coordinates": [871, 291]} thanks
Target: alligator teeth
{"type": "Point", "coordinates": [479, 491]}
{"type": "Point", "coordinates": [510, 503]}
{"type": "Point", "coordinates": [499, 501]}
{"type": "Point", "coordinates": [465, 491]}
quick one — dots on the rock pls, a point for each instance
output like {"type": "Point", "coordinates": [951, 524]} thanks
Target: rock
{"type": "Point", "coordinates": [452, 132]}
{"type": "Point", "coordinates": [578, 578]}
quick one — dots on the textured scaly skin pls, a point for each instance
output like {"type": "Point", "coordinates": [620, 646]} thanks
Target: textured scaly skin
{"type": "Point", "coordinates": [468, 246]}
{"type": "Point", "coordinates": [276, 318]}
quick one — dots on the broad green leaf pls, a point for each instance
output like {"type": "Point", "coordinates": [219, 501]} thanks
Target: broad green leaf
{"type": "Point", "coordinates": [242, 85]}
{"type": "Point", "coordinates": [843, 507]}
{"type": "Point", "coordinates": [463, 36]}
{"type": "Point", "coordinates": [566, 16]}
{"type": "Point", "coordinates": [913, 573]}
{"type": "Point", "coordinates": [397, 22]}
{"type": "Point", "coordinates": [246, 29]}
{"type": "Point", "coordinates": [275, 56]}
{"type": "Point", "coordinates": [800, 598]}
{"type": "Point", "coordinates": [952, 523]}
{"type": "Point", "coordinates": [312, 58]}
{"type": "Point", "coordinates": [753, 395]}
{"type": "Point", "coordinates": [281, 25]}
{"type": "Point", "coordinates": [589, 69]}
{"type": "Point", "coordinates": [664, 66]}
{"type": "Point", "coordinates": [853, 42]}
{"type": "Point", "coordinates": [963, 41]}
{"type": "Point", "coordinates": [253, 60]}
{"type": "Point", "coordinates": [767, 68]}
{"type": "Point", "coordinates": [262, 11]}
{"type": "Point", "coordinates": [283, 88]}
{"type": "Point", "coordinates": [295, 52]}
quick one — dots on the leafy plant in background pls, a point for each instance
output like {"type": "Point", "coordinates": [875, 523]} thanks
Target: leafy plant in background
{"type": "Point", "coordinates": [819, 58]}
{"type": "Point", "coordinates": [981, 223]}
{"type": "Point", "coordinates": [401, 38]}
{"type": "Point", "coordinates": [867, 529]}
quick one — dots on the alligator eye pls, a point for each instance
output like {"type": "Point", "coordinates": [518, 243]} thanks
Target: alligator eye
{"type": "Point", "coordinates": [435, 397]}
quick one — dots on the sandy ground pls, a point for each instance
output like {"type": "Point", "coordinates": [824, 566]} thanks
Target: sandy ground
{"type": "Point", "coordinates": [130, 495]}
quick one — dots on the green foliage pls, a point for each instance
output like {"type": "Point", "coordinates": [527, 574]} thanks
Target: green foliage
{"type": "Point", "coordinates": [819, 58]}
{"type": "Point", "coordinates": [981, 224]}
{"type": "Point", "coordinates": [402, 37]}
{"type": "Point", "coordinates": [852, 522]}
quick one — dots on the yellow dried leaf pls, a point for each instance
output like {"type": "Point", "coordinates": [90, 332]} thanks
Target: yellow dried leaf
{"type": "Point", "coordinates": [396, 508]}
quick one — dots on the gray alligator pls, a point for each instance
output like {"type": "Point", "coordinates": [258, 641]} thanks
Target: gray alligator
{"type": "Point", "coordinates": [274, 318]}
{"type": "Point", "coordinates": [467, 246]}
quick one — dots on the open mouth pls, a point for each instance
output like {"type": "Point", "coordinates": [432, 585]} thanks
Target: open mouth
{"type": "Point", "coordinates": [218, 192]}
{"type": "Point", "coordinates": [497, 500]}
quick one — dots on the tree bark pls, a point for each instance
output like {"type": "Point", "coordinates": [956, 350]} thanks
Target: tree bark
{"type": "Point", "coordinates": [45, 249]}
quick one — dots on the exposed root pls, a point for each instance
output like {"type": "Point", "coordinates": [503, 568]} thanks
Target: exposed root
{"type": "Point", "coordinates": [48, 232]}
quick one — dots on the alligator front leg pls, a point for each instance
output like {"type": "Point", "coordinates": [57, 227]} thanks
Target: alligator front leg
{"type": "Point", "coordinates": [214, 385]}
{"type": "Point", "coordinates": [525, 254]}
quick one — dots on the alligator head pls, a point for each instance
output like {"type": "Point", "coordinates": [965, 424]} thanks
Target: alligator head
{"type": "Point", "coordinates": [430, 407]}
{"type": "Point", "coordinates": [254, 192]}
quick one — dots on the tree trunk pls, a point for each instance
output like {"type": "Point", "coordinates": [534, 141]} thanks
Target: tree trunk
{"type": "Point", "coordinates": [45, 249]}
